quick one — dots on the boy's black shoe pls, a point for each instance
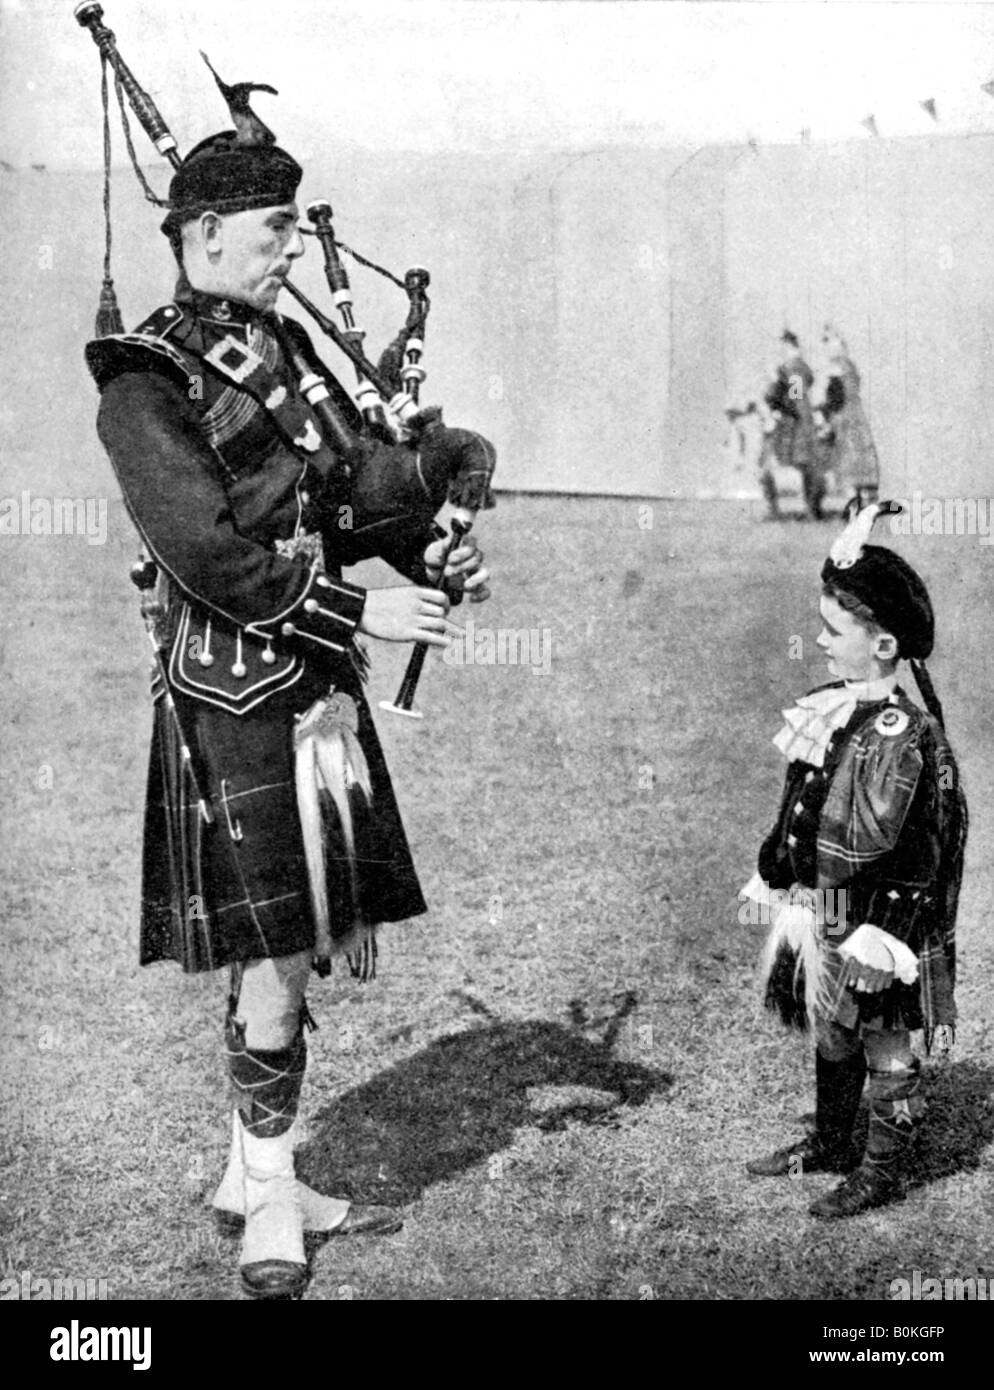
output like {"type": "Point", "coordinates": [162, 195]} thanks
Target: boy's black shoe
{"type": "Point", "coordinates": [808, 1155]}
{"type": "Point", "coordinates": [866, 1188]}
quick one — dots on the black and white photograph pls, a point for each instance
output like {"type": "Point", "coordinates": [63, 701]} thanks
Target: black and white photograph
{"type": "Point", "coordinates": [497, 542]}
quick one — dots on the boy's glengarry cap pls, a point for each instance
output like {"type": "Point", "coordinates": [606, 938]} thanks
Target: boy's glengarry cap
{"type": "Point", "coordinates": [884, 582]}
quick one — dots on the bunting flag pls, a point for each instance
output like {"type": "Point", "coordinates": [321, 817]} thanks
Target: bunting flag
{"type": "Point", "coordinates": [870, 124]}
{"type": "Point", "coordinates": [929, 105]}
{"type": "Point", "coordinates": [987, 87]}
{"type": "Point", "coordinates": [806, 135]}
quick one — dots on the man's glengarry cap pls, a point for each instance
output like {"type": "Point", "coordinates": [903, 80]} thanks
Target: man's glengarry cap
{"type": "Point", "coordinates": [223, 175]}
{"type": "Point", "coordinates": [235, 170]}
{"type": "Point", "coordinates": [884, 582]}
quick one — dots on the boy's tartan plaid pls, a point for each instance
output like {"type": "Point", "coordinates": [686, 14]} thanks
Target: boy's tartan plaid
{"type": "Point", "coordinates": [890, 833]}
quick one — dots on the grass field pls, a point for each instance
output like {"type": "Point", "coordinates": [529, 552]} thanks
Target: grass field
{"type": "Point", "coordinates": [561, 1069]}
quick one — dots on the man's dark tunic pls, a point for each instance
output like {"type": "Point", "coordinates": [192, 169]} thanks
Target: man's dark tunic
{"type": "Point", "coordinates": [255, 638]}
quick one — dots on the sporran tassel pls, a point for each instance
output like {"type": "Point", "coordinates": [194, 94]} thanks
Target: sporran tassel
{"type": "Point", "coordinates": [791, 971]}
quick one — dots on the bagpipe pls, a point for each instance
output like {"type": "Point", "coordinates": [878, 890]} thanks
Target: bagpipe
{"type": "Point", "coordinates": [393, 490]}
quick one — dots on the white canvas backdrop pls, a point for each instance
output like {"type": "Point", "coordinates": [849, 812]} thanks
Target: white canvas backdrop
{"type": "Point", "coordinates": [593, 311]}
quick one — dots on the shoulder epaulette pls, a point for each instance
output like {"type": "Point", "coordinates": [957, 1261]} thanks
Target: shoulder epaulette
{"type": "Point", "coordinates": [146, 349]}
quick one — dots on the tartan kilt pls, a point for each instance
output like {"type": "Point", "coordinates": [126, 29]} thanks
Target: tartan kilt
{"type": "Point", "coordinates": [900, 1005]}
{"type": "Point", "coordinates": [238, 889]}
{"type": "Point", "coordinates": [897, 1006]}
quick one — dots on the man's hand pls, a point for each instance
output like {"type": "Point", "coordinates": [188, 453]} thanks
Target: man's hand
{"type": "Point", "coordinates": [465, 565]}
{"type": "Point", "coordinates": [407, 614]}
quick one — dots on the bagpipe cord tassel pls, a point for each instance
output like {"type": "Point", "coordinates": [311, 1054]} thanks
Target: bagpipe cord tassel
{"type": "Point", "coordinates": [109, 318]}
{"type": "Point", "coordinates": [329, 765]}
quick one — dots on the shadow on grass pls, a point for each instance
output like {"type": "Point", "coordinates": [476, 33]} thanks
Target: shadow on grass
{"type": "Point", "coordinates": [463, 1097]}
{"type": "Point", "coordinates": [958, 1124]}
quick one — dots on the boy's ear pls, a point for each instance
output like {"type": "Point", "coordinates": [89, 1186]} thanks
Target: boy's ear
{"type": "Point", "coordinates": [886, 648]}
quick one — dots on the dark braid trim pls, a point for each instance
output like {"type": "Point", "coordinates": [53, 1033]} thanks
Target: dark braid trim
{"type": "Point", "coordinates": [927, 689]}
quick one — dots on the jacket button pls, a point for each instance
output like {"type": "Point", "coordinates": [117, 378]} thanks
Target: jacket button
{"type": "Point", "coordinates": [305, 497]}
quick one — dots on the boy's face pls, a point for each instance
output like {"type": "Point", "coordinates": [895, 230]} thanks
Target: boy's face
{"type": "Point", "coordinates": [854, 653]}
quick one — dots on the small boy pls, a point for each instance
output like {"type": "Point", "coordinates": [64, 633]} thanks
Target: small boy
{"type": "Point", "coordinates": [866, 859]}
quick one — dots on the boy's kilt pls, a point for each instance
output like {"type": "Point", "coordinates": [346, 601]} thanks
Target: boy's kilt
{"type": "Point", "coordinates": [238, 889]}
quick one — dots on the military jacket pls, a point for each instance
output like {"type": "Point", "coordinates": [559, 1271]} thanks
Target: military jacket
{"type": "Point", "coordinates": [239, 498]}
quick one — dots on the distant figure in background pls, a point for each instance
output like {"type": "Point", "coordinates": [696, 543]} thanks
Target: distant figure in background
{"type": "Point", "coordinates": [792, 438]}
{"type": "Point", "coordinates": [852, 452]}
{"type": "Point", "coordinates": [739, 440]}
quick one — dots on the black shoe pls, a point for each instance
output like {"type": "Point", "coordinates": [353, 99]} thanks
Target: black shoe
{"type": "Point", "coordinates": [277, 1280]}
{"type": "Point", "coordinates": [808, 1155]}
{"type": "Point", "coordinates": [865, 1188]}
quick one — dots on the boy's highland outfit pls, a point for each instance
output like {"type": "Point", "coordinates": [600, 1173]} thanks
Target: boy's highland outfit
{"type": "Point", "coordinates": [867, 848]}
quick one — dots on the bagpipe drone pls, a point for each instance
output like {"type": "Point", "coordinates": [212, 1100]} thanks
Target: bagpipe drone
{"type": "Point", "coordinates": [390, 489]}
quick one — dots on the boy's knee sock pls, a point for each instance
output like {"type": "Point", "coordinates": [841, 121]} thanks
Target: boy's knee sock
{"type": "Point", "coordinates": [895, 1108]}
{"type": "Point", "coordinates": [839, 1088]}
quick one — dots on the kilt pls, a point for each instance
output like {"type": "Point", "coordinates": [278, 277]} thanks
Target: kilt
{"type": "Point", "coordinates": [897, 1006]}
{"type": "Point", "coordinates": [788, 990]}
{"type": "Point", "coordinates": [238, 889]}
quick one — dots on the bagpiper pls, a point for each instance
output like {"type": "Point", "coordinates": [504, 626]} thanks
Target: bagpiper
{"type": "Point", "coordinates": [273, 842]}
